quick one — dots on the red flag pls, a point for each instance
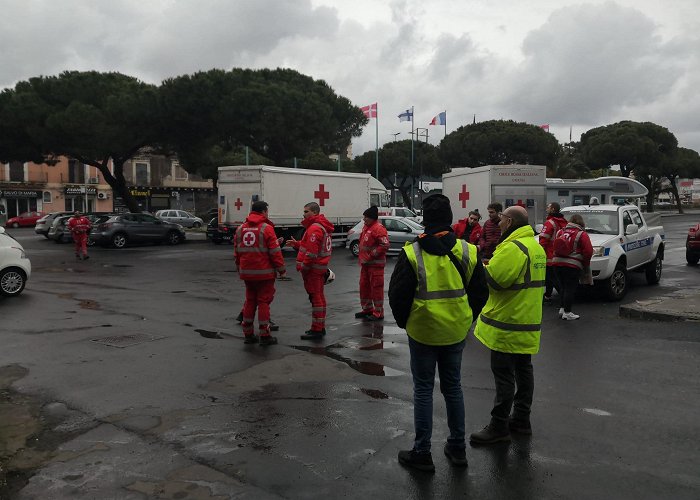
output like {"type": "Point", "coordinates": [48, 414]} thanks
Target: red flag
{"type": "Point", "coordinates": [545, 127]}
{"type": "Point", "coordinates": [370, 110]}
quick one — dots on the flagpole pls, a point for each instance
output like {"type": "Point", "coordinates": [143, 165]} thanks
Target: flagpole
{"type": "Point", "coordinates": [445, 122]}
{"type": "Point", "coordinates": [376, 147]}
{"type": "Point", "coordinates": [413, 179]}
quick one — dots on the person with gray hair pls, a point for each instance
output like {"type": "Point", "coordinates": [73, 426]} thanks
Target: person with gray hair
{"type": "Point", "coordinates": [510, 324]}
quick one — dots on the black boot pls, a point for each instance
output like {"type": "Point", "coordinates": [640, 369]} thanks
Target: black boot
{"type": "Point", "coordinates": [313, 335]}
{"type": "Point", "coordinates": [251, 339]}
{"type": "Point", "coordinates": [268, 340]}
{"type": "Point", "coordinates": [416, 460]}
{"type": "Point", "coordinates": [274, 326]}
{"type": "Point", "coordinates": [490, 434]}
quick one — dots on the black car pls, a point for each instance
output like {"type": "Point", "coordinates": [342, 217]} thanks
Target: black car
{"type": "Point", "coordinates": [218, 234]}
{"type": "Point", "coordinates": [123, 229]}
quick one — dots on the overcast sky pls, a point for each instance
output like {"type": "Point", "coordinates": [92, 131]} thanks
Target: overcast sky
{"type": "Point", "coordinates": [565, 63]}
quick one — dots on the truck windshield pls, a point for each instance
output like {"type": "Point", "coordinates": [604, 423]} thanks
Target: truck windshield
{"type": "Point", "coordinates": [600, 222]}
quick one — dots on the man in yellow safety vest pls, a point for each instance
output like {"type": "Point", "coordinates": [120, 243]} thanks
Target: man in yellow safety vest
{"type": "Point", "coordinates": [436, 289]}
{"type": "Point", "coordinates": [510, 322]}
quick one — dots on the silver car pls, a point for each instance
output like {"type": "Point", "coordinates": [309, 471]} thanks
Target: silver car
{"type": "Point", "coordinates": [181, 217]}
{"type": "Point", "coordinates": [399, 229]}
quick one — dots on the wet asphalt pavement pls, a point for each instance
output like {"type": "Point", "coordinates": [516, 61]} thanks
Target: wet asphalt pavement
{"type": "Point", "coordinates": [125, 376]}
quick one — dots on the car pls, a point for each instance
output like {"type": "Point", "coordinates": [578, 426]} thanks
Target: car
{"type": "Point", "coordinates": [26, 219]}
{"type": "Point", "coordinates": [399, 229]}
{"type": "Point", "coordinates": [15, 267]}
{"type": "Point", "coordinates": [181, 217]}
{"type": "Point", "coordinates": [122, 229]}
{"type": "Point", "coordinates": [59, 232]}
{"type": "Point", "coordinates": [43, 225]}
{"type": "Point", "coordinates": [692, 245]}
{"type": "Point", "coordinates": [401, 212]}
{"type": "Point", "coordinates": [219, 233]}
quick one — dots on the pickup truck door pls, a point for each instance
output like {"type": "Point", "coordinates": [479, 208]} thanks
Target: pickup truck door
{"type": "Point", "coordinates": [642, 252]}
{"type": "Point", "coordinates": [630, 241]}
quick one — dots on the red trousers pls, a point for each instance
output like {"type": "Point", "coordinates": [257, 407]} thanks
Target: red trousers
{"type": "Point", "coordinates": [258, 295]}
{"type": "Point", "coordinates": [80, 240]}
{"type": "Point", "coordinates": [313, 284]}
{"type": "Point", "coordinates": [372, 290]}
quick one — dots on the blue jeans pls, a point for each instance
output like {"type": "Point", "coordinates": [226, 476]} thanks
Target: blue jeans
{"type": "Point", "coordinates": [449, 362]}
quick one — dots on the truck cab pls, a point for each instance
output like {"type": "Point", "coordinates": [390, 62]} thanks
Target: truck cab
{"type": "Point", "coordinates": [623, 241]}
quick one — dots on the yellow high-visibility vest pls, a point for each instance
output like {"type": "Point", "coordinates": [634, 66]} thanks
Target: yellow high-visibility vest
{"type": "Point", "coordinates": [440, 313]}
{"type": "Point", "coordinates": [511, 320]}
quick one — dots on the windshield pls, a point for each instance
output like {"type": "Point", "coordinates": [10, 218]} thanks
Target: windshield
{"type": "Point", "coordinates": [599, 221]}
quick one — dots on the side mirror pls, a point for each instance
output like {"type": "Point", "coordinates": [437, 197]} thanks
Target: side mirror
{"type": "Point", "coordinates": [631, 229]}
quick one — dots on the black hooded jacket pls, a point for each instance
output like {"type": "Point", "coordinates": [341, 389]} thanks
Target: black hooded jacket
{"type": "Point", "coordinates": [402, 286]}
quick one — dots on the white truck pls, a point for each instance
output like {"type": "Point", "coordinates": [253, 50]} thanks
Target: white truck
{"type": "Point", "coordinates": [475, 188]}
{"type": "Point", "coordinates": [623, 240]}
{"type": "Point", "coordinates": [342, 196]}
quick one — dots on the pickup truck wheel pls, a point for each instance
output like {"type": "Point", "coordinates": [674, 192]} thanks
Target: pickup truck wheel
{"type": "Point", "coordinates": [616, 284]}
{"type": "Point", "coordinates": [653, 270]}
{"type": "Point", "coordinates": [355, 248]}
{"type": "Point", "coordinates": [692, 258]}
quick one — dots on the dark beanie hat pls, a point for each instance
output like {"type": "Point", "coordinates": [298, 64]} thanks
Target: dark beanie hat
{"type": "Point", "coordinates": [437, 211]}
{"type": "Point", "coordinates": [372, 212]}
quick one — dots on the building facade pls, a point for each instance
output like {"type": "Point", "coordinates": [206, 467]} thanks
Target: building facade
{"type": "Point", "coordinates": [157, 182]}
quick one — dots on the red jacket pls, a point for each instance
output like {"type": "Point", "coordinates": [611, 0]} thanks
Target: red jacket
{"type": "Point", "coordinates": [461, 227]}
{"type": "Point", "coordinates": [374, 242]}
{"type": "Point", "coordinates": [488, 240]}
{"type": "Point", "coordinates": [580, 257]}
{"type": "Point", "coordinates": [315, 247]}
{"type": "Point", "coordinates": [79, 225]}
{"type": "Point", "coordinates": [256, 249]}
{"type": "Point", "coordinates": [552, 225]}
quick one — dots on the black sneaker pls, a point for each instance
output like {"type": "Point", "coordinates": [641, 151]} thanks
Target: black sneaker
{"type": "Point", "coordinates": [86, 257]}
{"type": "Point", "coordinates": [489, 435]}
{"type": "Point", "coordinates": [313, 335]}
{"type": "Point", "coordinates": [251, 339]}
{"type": "Point", "coordinates": [420, 461]}
{"type": "Point", "coordinates": [457, 456]}
{"type": "Point", "coordinates": [520, 426]}
{"type": "Point", "coordinates": [274, 326]}
{"type": "Point", "coordinates": [361, 315]}
{"type": "Point", "coordinates": [268, 340]}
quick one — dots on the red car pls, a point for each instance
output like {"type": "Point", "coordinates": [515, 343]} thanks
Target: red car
{"type": "Point", "coordinates": [692, 245]}
{"type": "Point", "coordinates": [27, 219]}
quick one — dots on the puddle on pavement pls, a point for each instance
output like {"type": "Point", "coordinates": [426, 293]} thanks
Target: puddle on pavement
{"type": "Point", "coordinates": [117, 265]}
{"type": "Point", "coordinates": [89, 304]}
{"type": "Point", "coordinates": [27, 438]}
{"type": "Point", "coordinates": [364, 367]}
{"type": "Point", "coordinates": [374, 393]}
{"type": "Point", "coordinates": [208, 334]}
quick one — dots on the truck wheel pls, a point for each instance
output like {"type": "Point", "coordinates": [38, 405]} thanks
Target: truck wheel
{"type": "Point", "coordinates": [355, 248]}
{"type": "Point", "coordinates": [616, 284]}
{"type": "Point", "coordinates": [692, 258]}
{"type": "Point", "coordinates": [653, 270]}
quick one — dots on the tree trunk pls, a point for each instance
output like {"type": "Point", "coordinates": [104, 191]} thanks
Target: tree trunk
{"type": "Point", "coordinates": [117, 181]}
{"type": "Point", "coordinates": [676, 195]}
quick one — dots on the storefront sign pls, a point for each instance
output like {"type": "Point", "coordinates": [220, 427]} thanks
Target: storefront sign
{"type": "Point", "coordinates": [140, 192]}
{"type": "Point", "coordinates": [19, 193]}
{"type": "Point", "coordinates": [91, 190]}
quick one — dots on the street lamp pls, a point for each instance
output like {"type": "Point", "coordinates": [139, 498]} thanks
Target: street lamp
{"type": "Point", "coordinates": [397, 133]}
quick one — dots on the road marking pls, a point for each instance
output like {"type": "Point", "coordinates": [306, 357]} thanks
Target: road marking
{"type": "Point", "coordinates": [596, 411]}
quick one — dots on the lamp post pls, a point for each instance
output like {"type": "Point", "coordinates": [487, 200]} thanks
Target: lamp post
{"type": "Point", "coordinates": [397, 133]}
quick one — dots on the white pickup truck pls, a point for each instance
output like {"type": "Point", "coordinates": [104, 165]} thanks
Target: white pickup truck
{"type": "Point", "coordinates": [623, 240]}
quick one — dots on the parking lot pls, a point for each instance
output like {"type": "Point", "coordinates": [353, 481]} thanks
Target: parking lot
{"type": "Point", "coordinates": [139, 385]}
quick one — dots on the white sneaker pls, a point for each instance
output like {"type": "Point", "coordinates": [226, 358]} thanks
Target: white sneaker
{"type": "Point", "coordinates": [561, 312]}
{"type": "Point", "coordinates": [570, 316]}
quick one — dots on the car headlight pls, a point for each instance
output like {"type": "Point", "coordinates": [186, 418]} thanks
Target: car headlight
{"type": "Point", "coordinates": [598, 251]}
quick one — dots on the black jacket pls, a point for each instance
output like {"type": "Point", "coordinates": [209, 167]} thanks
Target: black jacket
{"type": "Point", "coordinates": [402, 286]}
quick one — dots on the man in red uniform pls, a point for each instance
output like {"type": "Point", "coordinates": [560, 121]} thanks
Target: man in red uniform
{"type": "Point", "coordinates": [258, 257]}
{"type": "Point", "coordinates": [312, 262]}
{"type": "Point", "coordinates": [469, 229]}
{"type": "Point", "coordinates": [490, 233]}
{"type": "Point", "coordinates": [79, 226]}
{"type": "Point", "coordinates": [374, 243]}
{"type": "Point", "coordinates": [555, 221]}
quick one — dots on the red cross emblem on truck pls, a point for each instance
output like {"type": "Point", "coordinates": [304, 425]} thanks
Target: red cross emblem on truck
{"type": "Point", "coordinates": [238, 203]}
{"type": "Point", "coordinates": [321, 195]}
{"type": "Point", "coordinates": [464, 196]}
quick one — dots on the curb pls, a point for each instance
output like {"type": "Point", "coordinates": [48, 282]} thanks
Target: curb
{"type": "Point", "coordinates": [678, 306]}
{"type": "Point", "coordinates": [637, 312]}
